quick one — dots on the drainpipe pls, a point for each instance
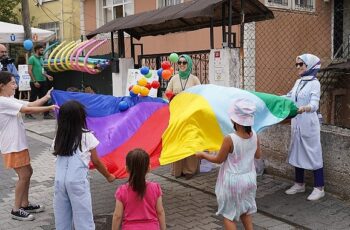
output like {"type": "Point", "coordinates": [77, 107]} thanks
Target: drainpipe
{"type": "Point", "coordinates": [82, 18]}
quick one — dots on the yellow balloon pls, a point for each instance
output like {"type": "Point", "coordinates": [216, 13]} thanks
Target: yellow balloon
{"type": "Point", "coordinates": [142, 81]}
{"type": "Point", "coordinates": [136, 89]}
{"type": "Point", "coordinates": [144, 91]}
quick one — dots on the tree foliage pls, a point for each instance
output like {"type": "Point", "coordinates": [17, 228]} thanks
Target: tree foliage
{"type": "Point", "coordinates": [8, 11]}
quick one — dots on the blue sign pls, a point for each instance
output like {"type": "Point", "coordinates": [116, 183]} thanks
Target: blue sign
{"type": "Point", "coordinates": [13, 37]}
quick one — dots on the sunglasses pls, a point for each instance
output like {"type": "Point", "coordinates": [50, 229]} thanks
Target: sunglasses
{"type": "Point", "coordinates": [182, 62]}
{"type": "Point", "coordinates": [299, 64]}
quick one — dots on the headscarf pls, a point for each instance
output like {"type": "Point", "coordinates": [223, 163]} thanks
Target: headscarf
{"type": "Point", "coordinates": [313, 65]}
{"type": "Point", "coordinates": [185, 74]}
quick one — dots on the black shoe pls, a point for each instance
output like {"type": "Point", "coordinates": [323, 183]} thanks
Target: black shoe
{"type": "Point", "coordinates": [33, 208]}
{"type": "Point", "coordinates": [188, 176]}
{"type": "Point", "coordinates": [48, 117]}
{"type": "Point", "coordinates": [21, 215]}
{"type": "Point", "coordinates": [30, 116]}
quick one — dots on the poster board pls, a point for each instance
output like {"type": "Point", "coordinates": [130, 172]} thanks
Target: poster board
{"type": "Point", "coordinates": [134, 75]}
{"type": "Point", "coordinates": [24, 78]}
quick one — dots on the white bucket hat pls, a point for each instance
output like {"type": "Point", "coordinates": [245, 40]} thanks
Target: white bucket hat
{"type": "Point", "coordinates": [242, 112]}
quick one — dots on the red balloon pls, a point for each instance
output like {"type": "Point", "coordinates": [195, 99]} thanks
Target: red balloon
{"type": "Point", "coordinates": [148, 86]}
{"type": "Point", "coordinates": [130, 87]}
{"type": "Point", "coordinates": [166, 65]}
{"type": "Point", "coordinates": [169, 94]}
{"type": "Point", "coordinates": [166, 74]}
{"type": "Point", "coordinates": [155, 84]}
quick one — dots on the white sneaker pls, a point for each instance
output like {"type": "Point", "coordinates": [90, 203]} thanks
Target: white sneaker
{"type": "Point", "coordinates": [316, 194]}
{"type": "Point", "coordinates": [296, 188]}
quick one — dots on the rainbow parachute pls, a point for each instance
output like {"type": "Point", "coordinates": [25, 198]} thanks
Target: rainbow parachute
{"type": "Point", "coordinates": [195, 120]}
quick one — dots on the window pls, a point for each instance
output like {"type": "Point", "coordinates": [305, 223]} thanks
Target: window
{"type": "Point", "coordinates": [52, 26]}
{"type": "Point", "coordinates": [303, 5]}
{"type": "Point", "coordinates": [164, 3]}
{"type": "Point", "coordinates": [113, 9]}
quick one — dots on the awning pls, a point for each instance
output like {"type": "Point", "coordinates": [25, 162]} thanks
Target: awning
{"type": "Point", "coordinates": [187, 16]}
{"type": "Point", "coordinates": [13, 33]}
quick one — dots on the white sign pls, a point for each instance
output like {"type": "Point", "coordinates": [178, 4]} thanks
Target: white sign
{"type": "Point", "coordinates": [24, 78]}
{"type": "Point", "coordinates": [134, 75]}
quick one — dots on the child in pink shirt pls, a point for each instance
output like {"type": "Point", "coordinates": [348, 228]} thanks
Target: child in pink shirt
{"type": "Point", "coordinates": [138, 203]}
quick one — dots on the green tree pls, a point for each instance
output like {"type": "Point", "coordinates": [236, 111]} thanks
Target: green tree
{"type": "Point", "coordinates": [8, 12]}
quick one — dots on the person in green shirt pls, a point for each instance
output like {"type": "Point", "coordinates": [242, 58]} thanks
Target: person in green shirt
{"type": "Point", "coordinates": [38, 82]}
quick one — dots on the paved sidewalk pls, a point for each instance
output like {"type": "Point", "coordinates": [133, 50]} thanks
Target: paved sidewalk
{"type": "Point", "coordinates": [188, 204]}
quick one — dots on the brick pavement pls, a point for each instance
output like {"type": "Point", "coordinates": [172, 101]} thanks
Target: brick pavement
{"type": "Point", "coordinates": [188, 204]}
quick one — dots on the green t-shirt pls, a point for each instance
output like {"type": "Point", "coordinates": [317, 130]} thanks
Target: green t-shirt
{"type": "Point", "coordinates": [37, 67]}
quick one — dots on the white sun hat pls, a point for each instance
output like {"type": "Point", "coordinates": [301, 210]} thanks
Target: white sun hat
{"type": "Point", "coordinates": [242, 112]}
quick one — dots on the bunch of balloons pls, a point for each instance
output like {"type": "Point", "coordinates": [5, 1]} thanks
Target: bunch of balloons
{"type": "Point", "coordinates": [143, 87]}
{"type": "Point", "coordinates": [167, 70]}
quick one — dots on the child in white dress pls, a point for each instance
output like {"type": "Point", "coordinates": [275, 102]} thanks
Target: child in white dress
{"type": "Point", "coordinates": [236, 184]}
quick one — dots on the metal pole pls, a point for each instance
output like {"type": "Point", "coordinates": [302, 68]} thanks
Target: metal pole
{"type": "Point", "coordinates": [132, 48]}
{"type": "Point", "coordinates": [223, 22]}
{"type": "Point", "coordinates": [211, 33]}
{"type": "Point", "coordinates": [242, 41]}
{"type": "Point", "coordinates": [230, 23]}
{"type": "Point", "coordinates": [112, 45]}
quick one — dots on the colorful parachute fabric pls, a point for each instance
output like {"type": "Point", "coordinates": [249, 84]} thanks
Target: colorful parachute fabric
{"type": "Point", "coordinates": [199, 120]}
{"type": "Point", "coordinates": [140, 126]}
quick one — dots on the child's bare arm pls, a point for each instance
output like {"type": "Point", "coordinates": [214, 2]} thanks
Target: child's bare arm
{"type": "Point", "coordinates": [117, 215]}
{"type": "Point", "coordinates": [161, 213]}
{"type": "Point", "coordinates": [226, 148]}
{"type": "Point", "coordinates": [41, 109]}
{"type": "Point", "coordinates": [100, 167]}
{"type": "Point", "coordinates": [258, 150]}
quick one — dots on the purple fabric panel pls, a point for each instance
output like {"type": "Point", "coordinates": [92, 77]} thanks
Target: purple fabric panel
{"type": "Point", "coordinates": [113, 130]}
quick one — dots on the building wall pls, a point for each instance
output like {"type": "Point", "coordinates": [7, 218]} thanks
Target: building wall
{"type": "Point", "coordinates": [280, 40]}
{"type": "Point", "coordinates": [335, 148]}
{"type": "Point", "coordinates": [66, 12]}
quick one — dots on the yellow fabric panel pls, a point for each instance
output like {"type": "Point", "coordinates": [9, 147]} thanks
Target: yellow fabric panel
{"type": "Point", "coordinates": [192, 127]}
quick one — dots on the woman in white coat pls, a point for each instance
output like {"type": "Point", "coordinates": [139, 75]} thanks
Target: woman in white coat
{"type": "Point", "coordinates": [305, 148]}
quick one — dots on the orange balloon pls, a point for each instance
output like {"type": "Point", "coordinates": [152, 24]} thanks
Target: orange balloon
{"type": "Point", "coordinates": [172, 70]}
{"type": "Point", "coordinates": [144, 91]}
{"type": "Point", "coordinates": [136, 89]}
{"type": "Point", "coordinates": [166, 74]}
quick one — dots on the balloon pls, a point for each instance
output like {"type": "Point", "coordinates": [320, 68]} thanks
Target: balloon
{"type": "Point", "coordinates": [169, 94]}
{"type": "Point", "coordinates": [155, 84]}
{"type": "Point", "coordinates": [166, 65]}
{"type": "Point", "coordinates": [159, 72]}
{"type": "Point", "coordinates": [130, 87]}
{"type": "Point", "coordinates": [166, 74]}
{"type": "Point", "coordinates": [142, 81]}
{"type": "Point", "coordinates": [132, 94]}
{"type": "Point", "coordinates": [144, 91]}
{"type": "Point", "coordinates": [148, 75]}
{"type": "Point", "coordinates": [174, 57]}
{"type": "Point", "coordinates": [136, 89]}
{"type": "Point", "coordinates": [28, 44]}
{"type": "Point", "coordinates": [144, 70]}
{"type": "Point", "coordinates": [123, 105]}
{"type": "Point", "coordinates": [172, 70]}
{"type": "Point", "coordinates": [148, 85]}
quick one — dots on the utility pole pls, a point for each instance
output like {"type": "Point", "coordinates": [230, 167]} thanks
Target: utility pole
{"type": "Point", "coordinates": [26, 20]}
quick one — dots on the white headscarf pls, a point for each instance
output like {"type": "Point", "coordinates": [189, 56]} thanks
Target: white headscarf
{"type": "Point", "coordinates": [313, 65]}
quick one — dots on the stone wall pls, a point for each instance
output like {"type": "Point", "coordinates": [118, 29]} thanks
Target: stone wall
{"type": "Point", "coordinates": [336, 156]}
